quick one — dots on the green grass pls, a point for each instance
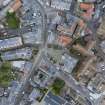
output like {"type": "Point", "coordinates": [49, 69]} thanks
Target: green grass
{"type": "Point", "coordinates": [5, 74]}
{"type": "Point", "coordinates": [12, 21]}
{"type": "Point", "coordinates": [57, 86]}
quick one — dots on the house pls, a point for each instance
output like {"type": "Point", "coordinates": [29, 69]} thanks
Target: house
{"type": "Point", "coordinates": [47, 67]}
{"type": "Point", "coordinates": [10, 43]}
{"type": "Point", "coordinates": [32, 37]}
{"type": "Point", "coordinates": [17, 64]}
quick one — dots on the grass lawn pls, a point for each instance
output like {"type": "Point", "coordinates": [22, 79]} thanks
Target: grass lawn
{"type": "Point", "coordinates": [12, 21]}
{"type": "Point", "coordinates": [5, 74]}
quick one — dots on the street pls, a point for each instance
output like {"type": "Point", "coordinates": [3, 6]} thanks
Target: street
{"type": "Point", "coordinates": [74, 85]}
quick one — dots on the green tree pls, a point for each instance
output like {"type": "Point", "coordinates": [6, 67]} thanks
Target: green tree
{"type": "Point", "coordinates": [57, 86]}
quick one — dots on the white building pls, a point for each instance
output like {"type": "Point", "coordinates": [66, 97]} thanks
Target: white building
{"type": "Point", "coordinates": [103, 46]}
{"type": "Point", "coordinates": [24, 53]}
{"type": "Point", "coordinates": [61, 4]}
{"type": "Point", "coordinates": [69, 63]}
{"type": "Point", "coordinates": [10, 43]}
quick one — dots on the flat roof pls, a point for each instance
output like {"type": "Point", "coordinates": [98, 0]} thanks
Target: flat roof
{"type": "Point", "coordinates": [55, 100]}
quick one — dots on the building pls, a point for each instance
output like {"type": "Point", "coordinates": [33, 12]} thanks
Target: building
{"type": "Point", "coordinates": [34, 95]}
{"type": "Point", "coordinates": [32, 38]}
{"type": "Point", "coordinates": [100, 67]}
{"type": "Point", "coordinates": [10, 43]}
{"type": "Point", "coordinates": [87, 1]}
{"type": "Point", "coordinates": [41, 78]}
{"type": "Point", "coordinates": [13, 92]}
{"type": "Point", "coordinates": [1, 91]}
{"type": "Point", "coordinates": [102, 45]}
{"type": "Point", "coordinates": [101, 29]}
{"type": "Point", "coordinates": [24, 53]}
{"type": "Point", "coordinates": [86, 74]}
{"type": "Point", "coordinates": [83, 50]}
{"type": "Point", "coordinates": [64, 40]}
{"type": "Point", "coordinates": [61, 4]}
{"type": "Point", "coordinates": [51, 38]}
{"type": "Point", "coordinates": [72, 27]}
{"type": "Point", "coordinates": [15, 6]}
{"type": "Point", "coordinates": [97, 83]}
{"type": "Point", "coordinates": [5, 2]}
{"type": "Point", "coordinates": [85, 10]}
{"type": "Point", "coordinates": [68, 63]}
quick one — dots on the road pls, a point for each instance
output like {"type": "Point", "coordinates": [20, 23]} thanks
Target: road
{"type": "Point", "coordinates": [74, 85]}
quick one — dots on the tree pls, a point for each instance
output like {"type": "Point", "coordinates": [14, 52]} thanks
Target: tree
{"type": "Point", "coordinates": [57, 86]}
